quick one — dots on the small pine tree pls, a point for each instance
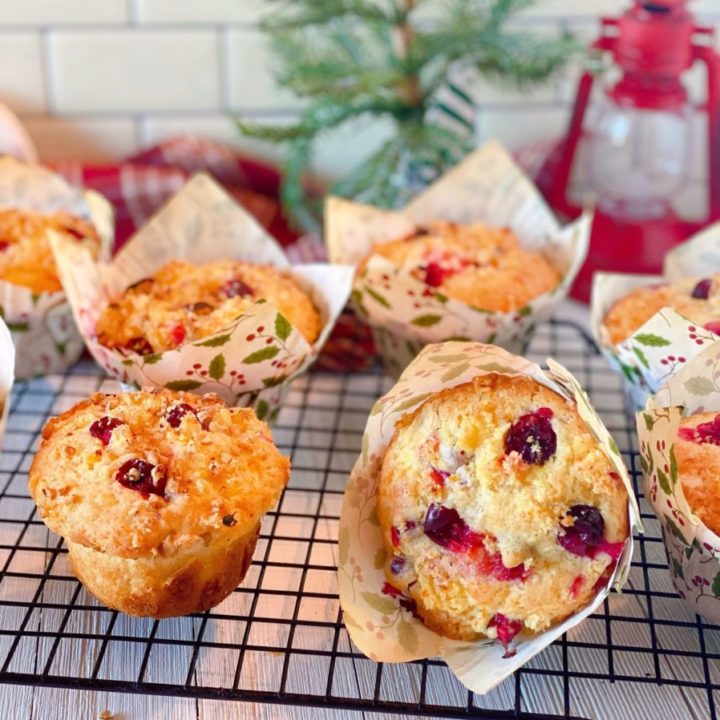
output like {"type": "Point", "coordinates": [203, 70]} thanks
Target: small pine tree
{"type": "Point", "coordinates": [352, 58]}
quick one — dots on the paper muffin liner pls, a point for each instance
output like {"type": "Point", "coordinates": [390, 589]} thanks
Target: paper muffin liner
{"type": "Point", "coordinates": [247, 363]}
{"type": "Point", "coordinates": [693, 549]}
{"type": "Point", "coordinates": [377, 624]}
{"type": "Point", "coordinates": [405, 313]}
{"type": "Point", "coordinates": [7, 375]}
{"type": "Point", "coordinates": [42, 326]}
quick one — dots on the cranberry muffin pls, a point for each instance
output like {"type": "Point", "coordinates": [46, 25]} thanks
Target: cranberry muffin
{"type": "Point", "coordinates": [183, 302]}
{"type": "Point", "coordinates": [480, 266]}
{"type": "Point", "coordinates": [159, 496]}
{"type": "Point", "coordinates": [499, 510]}
{"type": "Point", "coordinates": [26, 257]}
{"type": "Point", "coordinates": [698, 300]}
{"type": "Point", "coordinates": [697, 451]}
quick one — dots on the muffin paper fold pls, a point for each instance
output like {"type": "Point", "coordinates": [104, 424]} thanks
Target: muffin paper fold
{"type": "Point", "coordinates": [377, 624]}
{"type": "Point", "coordinates": [7, 375]}
{"type": "Point", "coordinates": [41, 324]}
{"type": "Point", "coordinates": [405, 313]}
{"type": "Point", "coordinates": [247, 363]}
{"type": "Point", "coordinates": [693, 549]}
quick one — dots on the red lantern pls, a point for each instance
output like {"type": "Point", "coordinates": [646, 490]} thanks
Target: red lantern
{"type": "Point", "coordinates": [637, 148]}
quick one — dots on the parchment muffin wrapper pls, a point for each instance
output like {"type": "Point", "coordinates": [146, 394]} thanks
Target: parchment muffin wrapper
{"type": "Point", "coordinates": [7, 375]}
{"type": "Point", "coordinates": [693, 549]}
{"type": "Point", "coordinates": [377, 624]}
{"type": "Point", "coordinates": [248, 363]}
{"type": "Point", "coordinates": [41, 324]}
{"type": "Point", "coordinates": [405, 313]}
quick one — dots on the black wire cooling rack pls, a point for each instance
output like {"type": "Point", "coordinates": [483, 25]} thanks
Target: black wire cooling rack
{"type": "Point", "coordinates": [278, 639]}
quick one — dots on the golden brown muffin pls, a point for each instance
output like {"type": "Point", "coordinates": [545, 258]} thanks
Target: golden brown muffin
{"type": "Point", "coordinates": [697, 451]}
{"type": "Point", "coordinates": [25, 255]}
{"type": "Point", "coordinates": [159, 496]}
{"type": "Point", "coordinates": [696, 299]}
{"type": "Point", "coordinates": [477, 265]}
{"type": "Point", "coordinates": [182, 302]}
{"type": "Point", "coordinates": [499, 510]}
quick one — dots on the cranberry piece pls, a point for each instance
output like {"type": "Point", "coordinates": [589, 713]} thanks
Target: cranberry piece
{"type": "Point", "coordinates": [586, 533]}
{"type": "Point", "coordinates": [576, 586]}
{"type": "Point", "coordinates": [704, 433]}
{"type": "Point", "coordinates": [397, 564]}
{"type": "Point", "coordinates": [702, 290]}
{"type": "Point", "coordinates": [446, 528]}
{"type": "Point", "coordinates": [439, 476]}
{"type": "Point", "coordinates": [532, 437]}
{"type": "Point", "coordinates": [178, 333]}
{"type": "Point", "coordinates": [435, 274]}
{"type": "Point", "coordinates": [4, 245]}
{"type": "Point", "coordinates": [236, 288]}
{"type": "Point", "coordinates": [391, 590]}
{"type": "Point", "coordinates": [73, 232]}
{"type": "Point", "coordinates": [495, 567]}
{"type": "Point", "coordinates": [139, 345]}
{"type": "Point", "coordinates": [506, 628]}
{"type": "Point", "coordinates": [713, 326]}
{"type": "Point", "coordinates": [200, 308]}
{"type": "Point", "coordinates": [142, 476]}
{"type": "Point", "coordinates": [102, 428]}
{"type": "Point", "coordinates": [395, 536]}
{"type": "Point", "coordinates": [177, 412]}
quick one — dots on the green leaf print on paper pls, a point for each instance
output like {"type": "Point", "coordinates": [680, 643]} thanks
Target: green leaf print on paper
{"type": "Point", "coordinates": [215, 341]}
{"type": "Point", "coordinates": [377, 297]}
{"type": "Point", "coordinates": [183, 385]}
{"type": "Point", "coordinates": [380, 558]}
{"type": "Point", "coordinates": [447, 358]}
{"type": "Point", "coordinates": [350, 620]}
{"type": "Point", "coordinates": [651, 340]}
{"type": "Point", "coordinates": [441, 298]}
{"type": "Point", "coordinates": [674, 529]}
{"type": "Point", "coordinates": [677, 569]}
{"type": "Point", "coordinates": [261, 409]}
{"type": "Point", "coordinates": [343, 542]}
{"type": "Point", "coordinates": [216, 368]}
{"type": "Point", "coordinates": [282, 327]}
{"type": "Point", "coordinates": [383, 605]}
{"type": "Point", "coordinates": [641, 356]}
{"type": "Point", "coordinates": [664, 482]}
{"type": "Point", "coordinates": [673, 466]}
{"type": "Point", "coordinates": [267, 353]}
{"type": "Point", "coordinates": [716, 585]}
{"type": "Point", "coordinates": [152, 359]}
{"type": "Point", "coordinates": [407, 637]}
{"type": "Point", "coordinates": [649, 421]}
{"type": "Point", "coordinates": [18, 326]}
{"type": "Point", "coordinates": [699, 386]}
{"type": "Point", "coordinates": [128, 362]}
{"type": "Point", "coordinates": [496, 367]}
{"type": "Point", "coordinates": [426, 320]}
{"type": "Point", "coordinates": [373, 518]}
{"type": "Point", "coordinates": [273, 381]}
{"type": "Point", "coordinates": [454, 372]}
{"type": "Point", "coordinates": [411, 402]}
{"type": "Point", "coordinates": [523, 311]}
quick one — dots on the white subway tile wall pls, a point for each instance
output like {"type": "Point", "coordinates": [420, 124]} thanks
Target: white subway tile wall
{"type": "Point", "coordinates": [99, 80]}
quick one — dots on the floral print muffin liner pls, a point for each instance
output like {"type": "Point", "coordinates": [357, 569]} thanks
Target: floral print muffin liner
{"type": "Point", "coordinates": [248, 363]}
{"type": "Point", "coordinates": [693, 549]}
{"type": "Point", "coordinates": [378, 623]}
{"type": "Point", "coordinates": [405, 313]}
{"type": "Point", "coordinates": [7, 374]}
{"type": "Point", "coordinates": [42, 326]}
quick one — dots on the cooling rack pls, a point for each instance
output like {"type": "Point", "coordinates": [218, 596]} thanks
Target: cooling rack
{"type": "Point", "coordinates": [278, 639]}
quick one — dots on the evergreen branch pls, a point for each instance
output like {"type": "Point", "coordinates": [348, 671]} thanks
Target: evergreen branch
{"type": "Point", "coordinates": [302, 15]}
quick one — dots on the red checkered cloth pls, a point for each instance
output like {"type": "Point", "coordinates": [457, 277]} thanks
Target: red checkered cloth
{"type": "Point", "coordinates": [138, 186]}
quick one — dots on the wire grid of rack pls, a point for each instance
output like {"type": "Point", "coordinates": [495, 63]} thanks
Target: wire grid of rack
{"type": "Point", "coordinates": [279, 637]}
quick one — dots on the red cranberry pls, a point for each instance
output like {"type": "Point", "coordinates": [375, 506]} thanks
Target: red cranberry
{"type": "Point", "coordinates": [73, 232]}
{"type": "Point", "coordinates": [200, 308]}
{"type": "Point", "coordinates": [142, 476]}
{"type": "Point", "coordinates": [102, 428]}
{"type": "Point", "coordinates": [397, 564]}
{"type": "Point", "coordinates": [391, 590]}
{"type": "Point", "coordinates": [177, 412]}
{"type": "Point", "coordinates": [446, 528]}
{"type": "Point", "coordinates": [4, 245]}
{"type": "Point", "coordinates": [586, 533]}
{"type": "Point", "coordinates": [704, 433]}
{"type": "Point", "coordinates": [713, 326]}
{"type": "Point", "coordinates": [435, 274]}
{"type": "Point", "coordinates": [439, 476]}
{"type": "Point", "coordinates": [702, 290]}
{"type": "Point", "coordinates": [506, 628]}
{"type": "Point", "coordinates": [576, 586]}
{"type": "Point", "coordinates": [532, 437]}
{"type": "Point", "coordinates": [395, 536]}
{"type": "Point", "coordinates": [236, 288]}
{"type": "Point", "coordinates": [178, 334]}
{"type": "Point", "coordinates": [139, 345]}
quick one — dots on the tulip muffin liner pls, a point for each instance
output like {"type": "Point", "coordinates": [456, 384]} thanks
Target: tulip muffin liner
{"type": "Point", "coordinates": [247, 363]}
{"type": "Point", "coordinates": [42, 326]}
{"type": "Point", "coordinates": [693, 549]}
{"type": "Point", "coordinates": [7, 375]}
{"type": "Point", "coordinates": [405, 313]}
{"type": "Point", "coordinates": [379, 626]}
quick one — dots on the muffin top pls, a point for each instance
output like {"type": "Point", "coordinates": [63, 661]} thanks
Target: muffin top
{"type": "Point", "coordinates": [697, 451]}
{"type": "Point", "coordinates": [497, 505]}
{"type": "Point", "coordinates": [183, 302]}
{"type": "Point", "coordinates": [696, 299]}
{"type": "Point", "coordinates": [26, 257]}
{"type": "Point", "coordinates": [155, 472]}
{"type": "Point", "coordinates": [481, 266]}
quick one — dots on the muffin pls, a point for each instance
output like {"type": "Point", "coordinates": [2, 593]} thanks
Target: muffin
{"type": "Point", "coordinates": [499, 510]}
{"type": "Point", "coordinates": [697, 451]}
{"type": "Point", "coordinates": [159, 496]}
{"type": "Point", "coordinates": [183, 302]}
{"type": "Point", "coordinates": [698, 300]}
{"type": "Point", "coordinates": [480, 266]}
{"type": "Point", "coordinates": [26, 258]}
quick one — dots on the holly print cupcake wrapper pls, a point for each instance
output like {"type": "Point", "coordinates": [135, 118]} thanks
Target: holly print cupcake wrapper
{"type": "Point", "coordinates": [247, 363]}
{"type": "Point", "coordinates": [7, 375]}
{"type": "Point", "coordinates": [378, 624]}
{"type": "Point", "coordinates": [486, 187]}
{"type": "Point", "coordinates": [41, 324]}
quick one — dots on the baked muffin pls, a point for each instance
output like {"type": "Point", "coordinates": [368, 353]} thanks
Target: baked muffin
{"type": "Point", "coordinates": [499, 510]}
{"type": "Point", "coordinates": [159, 496]}
{"type": "Point", "coordinates": [697, 451]}
{"type": "Point", "coordinates": [183, 302]}
{"type": "Point", "coordinates": [480, 266]}
{"type": "Point", "coordinates": [25, 255]}
{"type": "Point", "coordinates": [696, 299]}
